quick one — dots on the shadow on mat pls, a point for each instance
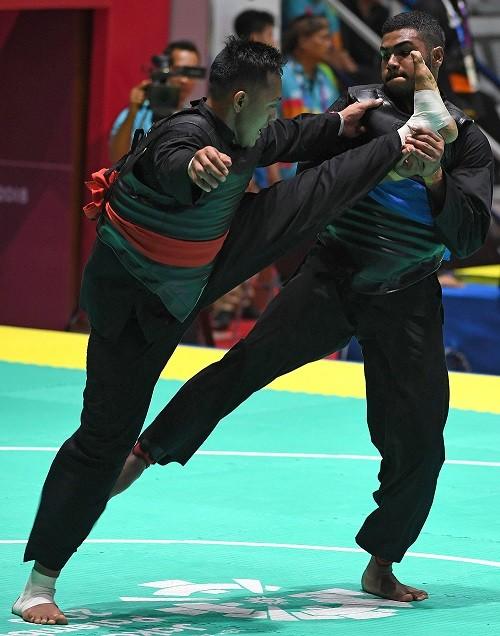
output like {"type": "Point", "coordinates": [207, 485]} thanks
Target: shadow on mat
{"type": "Point", "coordinates": [454, 596]}
{"type": "Point", "coordinates": [266, 613]}
{"type": "Point", "coordinates": [237, 613]}
{"type": "Point", "coordinates": [137, 620]}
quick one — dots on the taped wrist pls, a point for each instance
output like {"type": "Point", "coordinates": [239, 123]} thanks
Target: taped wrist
{"type": "Point", "coordinates": [429, 111]}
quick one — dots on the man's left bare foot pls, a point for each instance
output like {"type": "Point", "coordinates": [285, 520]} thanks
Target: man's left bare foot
{"type": "Point", "coordinates": [379, 580]}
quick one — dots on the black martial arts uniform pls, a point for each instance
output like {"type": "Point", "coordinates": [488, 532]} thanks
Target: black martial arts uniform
{"type": "Point", "coordinates": [139, 308]}
{"type": "Point", "coordinates": [372, 276]}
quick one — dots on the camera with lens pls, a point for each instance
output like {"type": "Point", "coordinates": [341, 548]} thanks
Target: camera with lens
{"type": "Point", "coordinates": [164, 97]}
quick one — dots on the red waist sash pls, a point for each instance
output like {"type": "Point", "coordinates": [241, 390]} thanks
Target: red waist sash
{"type": "Point", "coordinates": [164, 249]}
{"type": "Point", "coordinates": [156, 247]}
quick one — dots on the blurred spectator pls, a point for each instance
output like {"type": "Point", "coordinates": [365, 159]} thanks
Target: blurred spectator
{"type": "Point", "coordinates": [338, 56]}
{"type": "Point", "coordinates": [257, 26]}
{"type": "Point", "coordinates": [309, 85]}
{"type": "Point", "coordinates": [139, 113]}
{"type": "Point", "coordinates": [233, 305]}
{"type": "Point", "coordinates": [292, 9]}
{"type": "Point", "coordinates": [367, 62]}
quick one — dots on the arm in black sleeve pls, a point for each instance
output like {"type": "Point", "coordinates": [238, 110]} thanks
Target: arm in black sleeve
{"type": "Point", "coordinates": [304, 137]}
{"type": "Point", "coordinates": [341, 145]}
{"type": "Point", "coordinates": [279, 218]}
{"type": "Point", "coordinates": [464, 218]}
{"type": "Point", "coordinates": [171, 156]}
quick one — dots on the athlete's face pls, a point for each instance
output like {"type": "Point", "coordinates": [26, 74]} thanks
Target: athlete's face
{"type": "Point", "coordinates": [254, 109]}
{"type": "Point", "coordinates": [398, 74]}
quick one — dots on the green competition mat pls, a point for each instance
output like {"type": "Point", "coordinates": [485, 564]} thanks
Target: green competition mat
{"type": "Point", "coordinates": [256, 534]}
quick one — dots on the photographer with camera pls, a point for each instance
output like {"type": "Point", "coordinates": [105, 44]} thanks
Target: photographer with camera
{"type": "Point", "coordinates": [167, 90]}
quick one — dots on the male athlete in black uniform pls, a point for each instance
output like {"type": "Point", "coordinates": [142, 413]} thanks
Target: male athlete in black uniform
{"type": "Point", "coordinates": [371, 275]}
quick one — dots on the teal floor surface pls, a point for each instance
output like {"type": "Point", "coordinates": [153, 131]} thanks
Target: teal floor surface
{"type": "Point", "coordinates": [258, 543]}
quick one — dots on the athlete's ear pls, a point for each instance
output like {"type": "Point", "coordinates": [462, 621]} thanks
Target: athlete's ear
{"type": "Point", "coordinates": [240, 100]}
{"type": "Point", "coordinates": [437, 56]}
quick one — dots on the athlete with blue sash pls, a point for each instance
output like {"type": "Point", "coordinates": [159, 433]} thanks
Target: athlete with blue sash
{"type": "Point", "coordinates": [372, 275]}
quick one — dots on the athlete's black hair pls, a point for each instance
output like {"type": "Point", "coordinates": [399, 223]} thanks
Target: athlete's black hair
{"type": "Point", "coordinates": [427, 26]}
{"type": "Point", "coordinates": [240, 63]}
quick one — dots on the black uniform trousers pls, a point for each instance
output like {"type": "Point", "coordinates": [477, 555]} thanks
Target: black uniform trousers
{"type": "Point", "coordinates": [406, 383]}
{"type": "Point", "coordinates": [133, 336]}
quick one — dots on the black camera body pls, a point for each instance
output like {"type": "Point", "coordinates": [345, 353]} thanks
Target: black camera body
{"type": "Point", "coordinates": [164, 98]}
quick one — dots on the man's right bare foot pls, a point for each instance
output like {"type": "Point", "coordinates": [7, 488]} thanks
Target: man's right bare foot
{"type": "Point", "coordinates": [40, 614]}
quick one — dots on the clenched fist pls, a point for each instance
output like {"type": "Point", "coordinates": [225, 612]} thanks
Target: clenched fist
{"type": "Point", "coordinates": [208, 168]}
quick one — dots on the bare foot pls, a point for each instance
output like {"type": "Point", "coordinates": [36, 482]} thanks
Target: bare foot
{"type": "Point", "coordinates": [132, 469]}
{"type": "Point", "coordinates": [425, 80]}
{"type": "Point", "coordinates": [42, 614]}
{"type": "Point", "coordinates": [380, 581]}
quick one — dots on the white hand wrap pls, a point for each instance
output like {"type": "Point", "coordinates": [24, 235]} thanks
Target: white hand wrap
{"type": "Point", "coordinates": [429, 111]}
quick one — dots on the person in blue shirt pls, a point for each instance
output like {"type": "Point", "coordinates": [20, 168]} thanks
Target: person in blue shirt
{"type": "Point", "coordinates": [309, 84]}
{"type": "Point", "coordinates": [139, 114]}
{"type": "Point", "coordinates": [292, 9]}
{"type": "Point", "coordinates": [338, 56]}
